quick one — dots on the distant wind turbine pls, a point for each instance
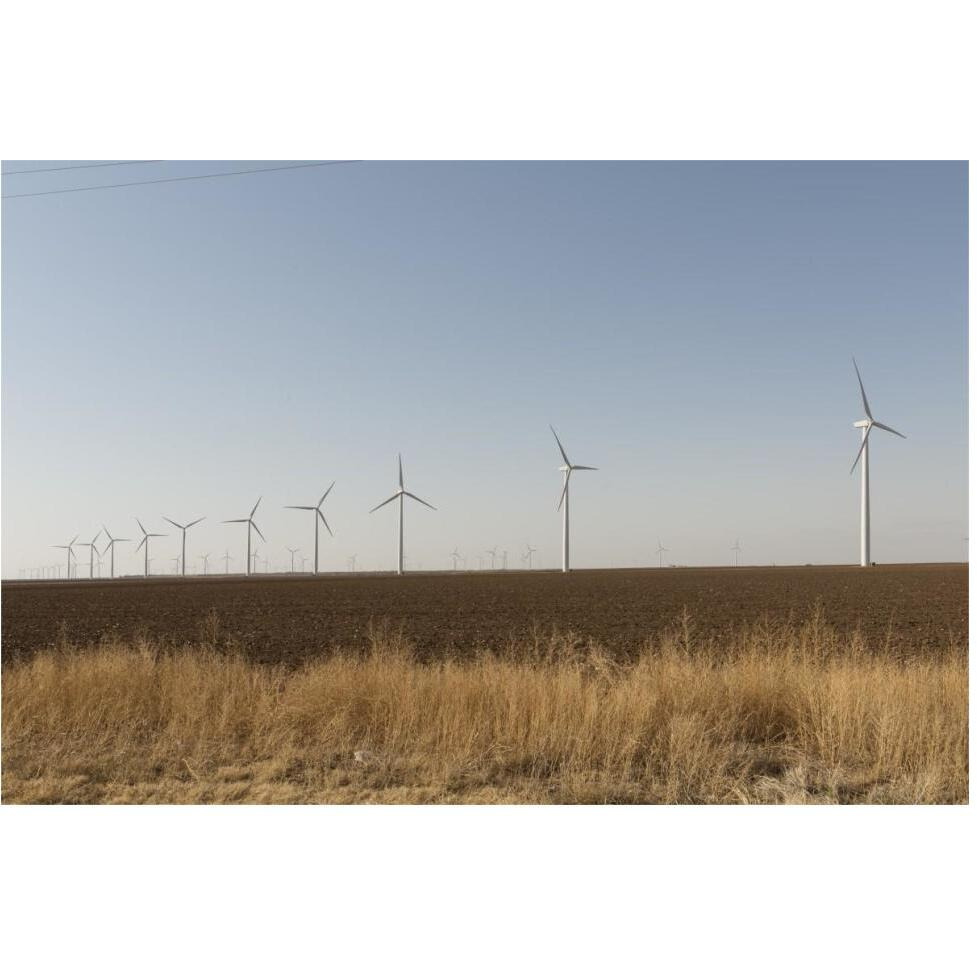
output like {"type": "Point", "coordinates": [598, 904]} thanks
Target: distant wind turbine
{"type": "Point", "coordinates": [492, 553]}
{"type": "Point", "coordinates": [661, 549]}
{"type": "Point", "coordinates": [91, 555]}
{"type": "Point", "coordinates": [251, 524]}
{"type": "Point", "coordinates": [351, 563]}
{"type": "Point", "coordinates": [205, 558]}
{"type": "Point", "coordinates": [866, 425]}
{"type": "Point", "coordinates": [293, 552]}
{"type": "Point", "coordinates": [316, 510]}
{"type": "Point", "coordinates": [455, 557]}
{"type": "Point", "coordinates": [146, 537]}
{"type": "Point", "coordinates": [227, 562]}
{"type": "Point", "coordinates": [529, 555]}
{"type": "Point", "coordinates": [111, 548]}
{"type": "Point", "coordinates": [399, 494]}
{"type": "Point", "coordinates": [736, 553]}
{"type": "Point", "coordinates": [567, 470]}
{"type": "Point", "coordinates": [70, 554]}
{"type": "Point", "coordinates": [183, 529]}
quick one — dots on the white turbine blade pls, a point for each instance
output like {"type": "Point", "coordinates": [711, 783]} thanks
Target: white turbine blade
{"type": "Point", "coordinates": [324, 523]}
{"type": "Point", "coordinates": [396, 495]}
{"type": "Point", "coordinates": [861, 448]}
{"type": "Point", "coordinates": [563, 494]}
{"type": "Point", "coordinates": [255, 509]}
{"type": "Point", "coordinates": [416, 499]}
{"type": "Point", "coordinates": [324, 494]}
{"type": "Point", "coordinates": [258, 531]}
{"type": "Point", "coordinates": [195, 521]}
{"type": "Point", "coordinates": [400, 470]}
{"type": "Point", "coordinates": [891, 430]}
{"type": "Point", "coordinates": [141, 526]}
{"type": "Point", "coordinates": [122, 540]}
{"type": "Point", "coordinates": [172, 523]}
{"type": "Point", "coordinates": [307, 508]}
{"type": "Point", "coordinates": [72, 543]}
{"type": "Point", "coordinates": [560, 446]}
{"type": "Point", "coordinates": [155, 535]}
{"type": "Point", "coordinates": [584, 468]}
{"type": "Point", "coordinates": [141, 544]}
{"type": "Point", "coordinates": [868, 410]}
{"type": "Point", "coordinates": [235, 520]}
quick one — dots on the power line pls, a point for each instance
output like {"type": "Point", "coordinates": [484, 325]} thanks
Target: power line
{"type": "Point", "coordinates": [180, 179]}
{"type": "Point", "coordinates": [80, 166]}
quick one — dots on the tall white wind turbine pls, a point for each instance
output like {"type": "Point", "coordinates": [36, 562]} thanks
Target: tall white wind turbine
{"type": "Point", "coordinates": [91, 555]}
{"type": "Point", "coordinates": [293, 552]}
{"type": "Point", "coordinates": [866, 424]}
{"type": "Point", "coordinates": [661, 549]}
{"type": "Point", "coordinates": [111, 548]}
{"type": "Point", "coordinates": [399, 495]}
{"type": "Point", "coordinates": [251, 524]}
{"type": "Point", "coordinates": [736, 553]}
{"type": "Point", "coordinates": [183, 529]}
{"type": "Point", "coordinates": [146, 537]}
{"type": "Point", "coordinates": [455, 557]}
{"type": "Point", "coordinates": [564, 503]}
{"type": "Point", "coordinates": [316, 511]}
{"type": "Point", "coordinates": [70, 554]}
{"type": "Point", "coordinates": [528, 556]}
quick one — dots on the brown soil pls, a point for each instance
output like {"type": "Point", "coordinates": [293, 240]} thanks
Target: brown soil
{"type": "Point", "coordinates": [903, 609]}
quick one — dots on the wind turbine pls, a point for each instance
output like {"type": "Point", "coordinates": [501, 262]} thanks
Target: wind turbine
{"type": "Point", "coordinates": [567, 469]}
{"type": "Point", "coordinates": [227, 562]}
{"type": "Point", "coordinates": [205, 558]}
{"type": "Point", "coordinates": [293, 552]}
{"type": "Point", "coordinates": [111, 548]}
{"type": "Point", "coordinates": [70, 554]}
{"type": "Point", "coordinates": [866, 425]}
{"type": "Point", "coordinates": [251, 523]}
{"type": "Point", "coordinates": [399, 494]}
{"type": "Point", "coordinates": [736, 553]}
{"type": "Point", "coordinates": [317, 515]}
{"type": "Point", "coordinates": [146, 537]}
{"type": "Point", "coordinates": [529, 555]}
{"type": "Point", "coordinates": [351, 563]}
{"type": "Point", "coordinates": [91, 555]}
{"type": "Point", "coordinates": [183, 529]}
{"type": "Point", "coordinates": [492, 553]}
{"type": "Point", "coordinates": [661, 549]}
{"type": "Point", "coordinates": [455, 557]}
{"type": "Point", "coordinates": [176, 564]}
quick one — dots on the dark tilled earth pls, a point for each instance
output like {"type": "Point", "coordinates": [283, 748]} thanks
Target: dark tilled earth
{"type": "Point", "coordinates": [293, 618]}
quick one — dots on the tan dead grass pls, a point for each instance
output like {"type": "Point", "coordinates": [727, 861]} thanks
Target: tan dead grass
{"type": "Point", "coordinates": [773, 714]}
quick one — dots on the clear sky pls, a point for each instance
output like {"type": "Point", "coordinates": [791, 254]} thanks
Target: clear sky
{"type": "Point", "coordinates": [180, 349]}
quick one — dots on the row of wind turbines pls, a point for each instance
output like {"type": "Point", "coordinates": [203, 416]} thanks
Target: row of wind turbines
{"type": "Point", "coordinates": [866, 425]}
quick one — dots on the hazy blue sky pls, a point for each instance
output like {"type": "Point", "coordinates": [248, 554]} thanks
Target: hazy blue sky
{"type": "Point", "coordinates": [688, 328]}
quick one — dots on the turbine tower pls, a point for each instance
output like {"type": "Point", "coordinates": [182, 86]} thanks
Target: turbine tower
{"type": "Point", "coordinates": [227, 562]}
{"type": "Point", "coordinates": [205, 558]}
{"type": "Point", "coordinates": [183, 529]}
{"type": "Point", "coordinates": [661, 549]}
{"type": "Point", "coordinates": [146, 537]}
{"type": "Point", "coordinates": [866, 424]}
{"type": "Point", "coordinates": [528, 557]}
{"type": "Point", "coordinates": [251, 524]}
{"type": "Point", "coordinates": [111, 548]}
{"type": "Point", "coordinates": [399, 494]}
{"type": "Point", "coordinates": [736, 553]}
{"type": "Point", "coordinates": [455, 557]}
{"type": "Point", "coordinates": [564, 503]}
{"type": "Point", "coordinates": [70, 554]}
{"type": "Point", "coordinates": [316, 511]}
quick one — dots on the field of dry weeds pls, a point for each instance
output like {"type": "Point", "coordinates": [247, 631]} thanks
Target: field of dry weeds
{"type": "Point", "coordinates": [776, 713]}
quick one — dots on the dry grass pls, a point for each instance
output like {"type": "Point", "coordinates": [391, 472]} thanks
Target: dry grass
{"type": "Point", "coordinates": [794, 714]}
